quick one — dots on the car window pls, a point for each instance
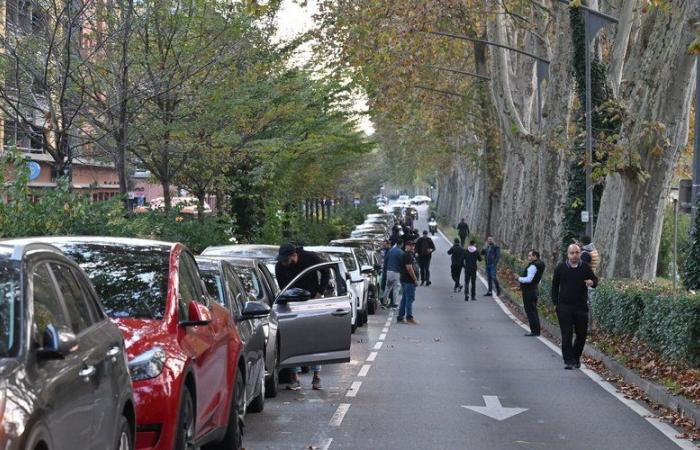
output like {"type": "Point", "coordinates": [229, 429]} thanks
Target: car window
{"type": "Point", "coordinates": [131, 280]}
{"type": "Point", "coordinates": [189, 286]}
{"type": "Point", "coordinates": [47, 306]}
{"type": "Point", "coordinates": [348, 259]}
{"type": "Point", "coordinates": [251, 282]}
{"type": "Point", "coordinates": [79, 312]}
{"type": "Point", "coordinates": [362, 257]}
{"type": "Point", "coordinates": [214, 285]}
{"type": "Point", "coordinates": [10, 304]}
{"type": "Point", "coordinates": [236, 293]}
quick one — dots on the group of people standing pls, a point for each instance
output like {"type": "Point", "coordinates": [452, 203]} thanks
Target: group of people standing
{"type": "Point", "coordinates": [467, 258]}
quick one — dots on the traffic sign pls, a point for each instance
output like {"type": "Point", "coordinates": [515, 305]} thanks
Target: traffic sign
{"type": "Point", "coordinates": [34, 170]}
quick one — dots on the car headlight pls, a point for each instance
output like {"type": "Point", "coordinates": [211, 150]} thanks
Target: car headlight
{"type": "Point", "coordinates": [147, 365]}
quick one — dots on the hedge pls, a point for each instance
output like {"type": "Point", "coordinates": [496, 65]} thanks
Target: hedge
{"type": "Point", "coordinates": [668, 323]}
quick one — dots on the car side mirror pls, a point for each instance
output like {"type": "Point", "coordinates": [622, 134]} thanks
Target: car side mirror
{"type": "Point", "coordinates": [366, 270]}
{"type": "Point", "coordinates": [58, 343]}
{"type": "Point", "coordinates": [255, 310]}
{"type": "Point", "coordinates": [294, 295]}
{"type": "Point", "coordinates": [198, 315]}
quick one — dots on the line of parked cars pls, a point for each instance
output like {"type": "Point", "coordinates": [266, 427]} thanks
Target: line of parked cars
{"type": "Point", "coordinates": [118, 343]}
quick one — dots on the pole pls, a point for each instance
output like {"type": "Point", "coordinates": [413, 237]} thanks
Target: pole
{"type": "Point", "coordinates": [696, 149]}
{"type": "Point", "coordinates": [675, 242]}
{"type": "Point", "coordinates": [589, 136]}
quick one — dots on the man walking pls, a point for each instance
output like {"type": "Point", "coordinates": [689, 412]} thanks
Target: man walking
{"type": "Point", "coordinates": [291, 261]}
{"type": "Point", "coordinates": [409, 281]}
{"type": "Point", "coordinates": [471, 257]}
{"type": "Point", "coordinates": [393, 274]}
{"type": "Point", "coordinates": [529, 285]}
{"type": "Point", "coordinates": [424, 249]}
{"type": "Point", "coordinates": [570, 284]}
{"type": "Point", "coordinates": [463, 231]}
{"type": "Point", "coordinates": [492, 254]}
{"type": "Point", "coordinates": [457, 260]}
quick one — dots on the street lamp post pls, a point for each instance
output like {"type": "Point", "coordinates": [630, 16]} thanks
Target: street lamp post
{"type": "Point", "coordinates": [696, 147]}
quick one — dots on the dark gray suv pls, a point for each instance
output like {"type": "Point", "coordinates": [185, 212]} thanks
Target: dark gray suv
{"type": "Point", "coordinates": [64, 382]}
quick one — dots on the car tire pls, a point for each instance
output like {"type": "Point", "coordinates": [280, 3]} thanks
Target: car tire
{"type": "Point", "coordinates": [372, 305]}
{"type": "Point", "coordinates": [233, 439]}
{"type": "Point", "coordinates": [186, 426]}
{"type": "Point", "coordinates": [125, 438]}
{"type": "Point", "coordinates": [273, 381]}
{"type": "Point", "coordinates": [353, 328]}
{"type": "Point", "coordinates": [258, 403]}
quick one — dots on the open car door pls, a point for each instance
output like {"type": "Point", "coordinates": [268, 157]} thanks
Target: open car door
{"type": "Point", "coordinates": [315, 330]}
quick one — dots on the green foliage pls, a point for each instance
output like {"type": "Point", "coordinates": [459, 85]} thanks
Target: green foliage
{"type": "Point", "coordinates": [664, 265]}
{"type": "Point", "coordinates": [667, 323]}
{"type": "Point", "coordinates": [691, 266]}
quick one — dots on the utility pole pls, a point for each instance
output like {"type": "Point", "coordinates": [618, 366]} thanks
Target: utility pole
{"type": "Point", "coordinates": [696, 147]}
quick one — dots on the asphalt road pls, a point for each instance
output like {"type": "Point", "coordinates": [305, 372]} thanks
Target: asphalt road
{"type": "Point", "coordinates": [407, 387]}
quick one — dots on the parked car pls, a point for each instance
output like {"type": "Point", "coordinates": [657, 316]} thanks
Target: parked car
{"type": "Point", "coordinates": [64, 382]}
{"type": "Point", "coordinates": [185, 355]}
{"type": "Point", "coordinates": [261, 252]}
{"type": "Point", "coordinates": [255, 281]}
{"type": "Point", "coordinates": [370, 267]}
{"type": "Point", "coordinates": [359, 285]}
{"type": "Point", "coordinates": [224, 285]}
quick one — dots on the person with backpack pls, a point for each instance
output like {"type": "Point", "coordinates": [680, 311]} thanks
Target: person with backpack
{"type": "Point", "coordinates": [589, 254]}
{"type": "Point", "coordinates": [529, 285]}
{"type": "Point", "coordinates": [457, 260]}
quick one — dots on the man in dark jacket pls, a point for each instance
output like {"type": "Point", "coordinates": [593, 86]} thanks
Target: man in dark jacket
{"type": "Point", "coordinates": [529, 285]}
{"type": "Point", "coordinates": [471, 257]}
{"type": "Point", "coordinates": [463, 231]}
{"type": "Point", "coordinates": [457, 254]}
{"type": "Point", "coordinates": [492, 254]}
{"type": "Point", "coordinates": [570, 284]}
{"type": "Point", "coordinates": [424, 249]}
{"type": "Point", "coordinates": [291, 261]}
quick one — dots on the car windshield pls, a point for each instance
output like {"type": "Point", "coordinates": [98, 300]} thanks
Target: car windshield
{"type": "Point", "coordinates": [131, 280]}
{"type": "Point", "coordinates": [215, 288]}
{"type": "Point", "coordinates": [348, 259]}
{"type": "Point", "coordinates": [10, 303]}
{"type": "Point", "coordinates": [362, 257]}
{"type": "Point", "coordinates": [251, 282]}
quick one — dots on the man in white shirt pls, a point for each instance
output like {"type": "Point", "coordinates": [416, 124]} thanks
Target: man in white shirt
{"type": "Point", "coordinates": [529, 286]}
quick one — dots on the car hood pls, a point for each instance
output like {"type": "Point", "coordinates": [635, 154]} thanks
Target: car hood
{"type": "Point", "coordinates": [140, 334]}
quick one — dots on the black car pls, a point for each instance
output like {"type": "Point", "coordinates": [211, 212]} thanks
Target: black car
{"type": "Point", "coordinates": [64, 381]}
{"type": "Point", "coordinates": [256, 280]}
{"type": "Point", "coordinates": [224, 285]}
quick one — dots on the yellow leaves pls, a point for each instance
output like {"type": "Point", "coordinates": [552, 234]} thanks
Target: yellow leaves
{"type": "Point", "coordinates": [694, 47]}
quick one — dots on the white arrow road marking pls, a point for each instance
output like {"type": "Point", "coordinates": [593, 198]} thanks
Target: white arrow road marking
{"type": "Point", "coordinates": [494, 409]}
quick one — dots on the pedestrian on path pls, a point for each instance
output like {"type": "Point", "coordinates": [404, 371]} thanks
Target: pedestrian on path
{"type": "Point", "coordinates": [424, 249]}
{"type": "Point", "coordinates": [462, 231]}
{"type": "Point", "coordinates": [393, 274]}
{"type": "Point", "coordinates": [457, 261]}
{"type": "Point", "coordinates": [529, 285]}
{"type": "Point", "coordinates": [291, 261]}
{"type": "Point", "coordinates": [471, 258]}
{"type": "Point", "coordinates": [589, 254]}
{"type": "Point", "coordinates": [409, 281]}
{"type": "Point", "coordinates": [492, 254]}
{"type": "Point", "coordinates": [386, 246]}
{"type": "Point", "coordinates": [570, 284]}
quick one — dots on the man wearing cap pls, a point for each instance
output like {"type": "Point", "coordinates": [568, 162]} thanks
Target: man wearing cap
{"type": "Point", "coordinates": [291, 261]}
{"type": "Point", "coordinates": [425, 248]}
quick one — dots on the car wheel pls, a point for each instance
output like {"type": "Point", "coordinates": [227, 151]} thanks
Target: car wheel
{"type": "Point", "coordinates": [186, 422]}
{"type": "Point", "coordinates": [372, 305]}
{"type": "Point", "coordinates": [233, 440]}
{"type": "Point", "coordinates": [273, 381]}
{"type": "Point", "coordinates": [125, 441]}
{"type": "Point", "coordinates": [353, 328]}
{"type": "Point", "coordinates": [258, 403]}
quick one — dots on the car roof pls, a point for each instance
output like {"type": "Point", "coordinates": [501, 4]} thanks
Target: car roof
{"type": "Point", "coordinates": [236, 261]}
{"type": "Point", "coordinates": [10, 249]}
{"type": "Point", "coordinates": [258, 251]}
{"type": "Point", "coordinates": [329, 249]}
{"type": "Point", "coordinates": [100, 240]}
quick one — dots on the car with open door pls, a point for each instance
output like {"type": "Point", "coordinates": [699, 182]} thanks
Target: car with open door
{"type": "Point", "coordinates": [64, 381]}
{"type": "Point", "coordinates": [224, 285]}
{"type": "Point", "coordinates": [184, 353]}
{"type": "Point", "coordinates": [315, 330]}
{"type": "Point", "coordinates": [358, 284]}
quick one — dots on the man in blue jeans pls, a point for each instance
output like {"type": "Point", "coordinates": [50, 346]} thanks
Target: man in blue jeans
{"type": "Point", "coordinates": [492, 254]}
{"type": "Point", "coordinates": [409, 281]}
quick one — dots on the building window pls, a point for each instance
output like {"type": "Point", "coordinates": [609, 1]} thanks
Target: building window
{"type": "Point", "coordinates": [17, 136]}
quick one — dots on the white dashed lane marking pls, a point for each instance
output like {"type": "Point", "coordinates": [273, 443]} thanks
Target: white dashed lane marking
{"type": "Point", "coordinates": [385, 329]}
{"type": "Point", "coordinates": [378, 345]}
{"type": "Point", "coordinates": [372, 356]}
{"type": "Point", "coordinates": [339, 415]}
{"type": "Point", "coordinates": [382, 336]}
{"type": "Point", "coordinates": [354, 389]}
{"type": "Point", "coordinates": [364, 370]}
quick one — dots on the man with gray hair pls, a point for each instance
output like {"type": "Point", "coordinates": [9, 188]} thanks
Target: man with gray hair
{"type": "Point", "coordinates": [570, 284]}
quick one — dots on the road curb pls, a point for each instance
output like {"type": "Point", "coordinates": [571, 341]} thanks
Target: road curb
{"type": "Point", "coordinates": [656, 392]}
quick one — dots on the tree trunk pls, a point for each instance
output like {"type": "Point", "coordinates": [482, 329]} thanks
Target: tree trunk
{"type": "Point", "coordinates": [201, 196]}
{"type": "Point", "coordinates": [658, 86]}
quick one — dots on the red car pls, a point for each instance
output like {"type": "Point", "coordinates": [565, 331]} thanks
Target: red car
{"type": "Point", "coordinates": [183, 348]}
